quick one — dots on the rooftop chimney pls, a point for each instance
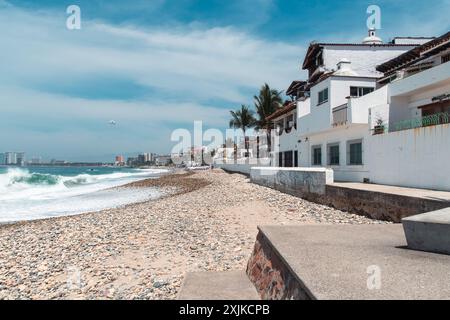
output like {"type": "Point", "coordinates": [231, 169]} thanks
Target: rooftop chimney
{"type": "Point", "coordinates": [344, 68]}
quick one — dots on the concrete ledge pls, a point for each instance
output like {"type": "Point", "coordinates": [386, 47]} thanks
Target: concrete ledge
{"type": "Point", "coordinates": [375, 204]}
{"type": "Point", "coordinates": [295, 181]}
{"type": "Point", "coordinates": [429, 231]}
{"type": "Point", "coordinates": [228, 285]}
{"type": "Point", "coordinates": [340, 262]}
{"type": "Point", "coordinates": [235, 167]}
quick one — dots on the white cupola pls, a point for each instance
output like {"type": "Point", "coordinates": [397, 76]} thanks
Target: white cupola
{"type": "Point", "coordinates": [372, 38]}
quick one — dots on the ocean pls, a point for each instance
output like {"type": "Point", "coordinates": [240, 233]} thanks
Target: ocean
{"type": "Point", "coordinates": [29, 193]}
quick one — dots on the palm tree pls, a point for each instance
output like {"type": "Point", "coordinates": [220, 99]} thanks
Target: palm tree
{"type": "Point", "coordinates": [267, 102]}
{"type": "Point", "coordinates": [243, 119]}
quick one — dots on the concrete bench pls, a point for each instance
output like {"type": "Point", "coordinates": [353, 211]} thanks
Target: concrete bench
{"type": "Point", "coordinates": [429, 231]}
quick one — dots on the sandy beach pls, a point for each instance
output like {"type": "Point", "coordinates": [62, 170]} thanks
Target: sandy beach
{"type": "Point", "coordinates": [207, 221]}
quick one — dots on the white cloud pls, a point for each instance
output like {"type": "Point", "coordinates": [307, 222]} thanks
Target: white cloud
{"type": "Point", "coordinates": [208, 63]}
{"type": "Point", "coordinates": [192, 66]}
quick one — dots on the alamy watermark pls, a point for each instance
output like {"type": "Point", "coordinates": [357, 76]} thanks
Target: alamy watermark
{"type": "Point", "coordinates": [374, 19]}
{"type": "Point", "coordinates": [73, 22]}
{"type": "Point", "coordinates": [74, 280]}
{"type": "Point", "coordinates": [374, 279]}
{"type": "Point", "coordinates": [213, 146]}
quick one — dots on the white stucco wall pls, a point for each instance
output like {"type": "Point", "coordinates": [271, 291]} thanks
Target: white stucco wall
{"type": "Point", "coordinates": [303, 107]}
{"type": "Point", "coordinates": [340, 135]}
{"type": "Point", "coordinates": [318, 119]}
{"type": "Point", "coordinates": [286, 141]}
{"type": "Point", "coordinates": [359, 107]}
{"type": "Point", "coordinates": [412, 158]}
{"type": "Point", "coordinates": [320, 116]}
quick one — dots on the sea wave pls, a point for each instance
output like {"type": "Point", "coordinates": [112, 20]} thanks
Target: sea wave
{"type": "Point", "coordinates": [27, 195]}
{"type": "Point", "coordinates": [21, 183]}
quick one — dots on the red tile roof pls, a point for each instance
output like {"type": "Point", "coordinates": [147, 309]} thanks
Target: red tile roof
{"type": "Point", "coordinates": [288, 108]}
{"type": "Point", "coordinates": [439, 44]}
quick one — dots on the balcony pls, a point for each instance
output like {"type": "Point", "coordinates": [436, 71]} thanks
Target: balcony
{"type": "Point", "coordinates": [426, 121]}
{"type": "Point", "coordinates": [340, 115]}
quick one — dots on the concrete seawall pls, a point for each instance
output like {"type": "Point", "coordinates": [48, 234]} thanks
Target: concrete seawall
{"type": "Point", "coordinates": [295, 181]}
{"type": "Point", "coordinates": [317, 185]}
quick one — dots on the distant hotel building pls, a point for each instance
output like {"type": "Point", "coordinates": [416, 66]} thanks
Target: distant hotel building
{"type": "Point", "coordinates": [12, 158]}
{"type": "Point", "coordinates": [120, 161]}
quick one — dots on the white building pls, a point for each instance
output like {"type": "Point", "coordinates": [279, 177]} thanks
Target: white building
{"type": "Point", "coordinates": [415, 106]}
{"type": "Point", "coordinates": [285, 133]}
{"type": "Point", "coordinates": [336, 72]}
{"type": "Point", "coordinates": [356, 94]}
{"type": "Point", "coordinates": [10, 158]}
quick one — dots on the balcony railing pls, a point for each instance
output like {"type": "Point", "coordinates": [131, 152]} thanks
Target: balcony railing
{"type": "Point", "coordinates": [340, 115]}
{"type": "Point", "coordinates": [431, 120]}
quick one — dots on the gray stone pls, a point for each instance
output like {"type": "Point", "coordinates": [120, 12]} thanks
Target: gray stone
{"type": "Point", "coordinates": [429, 231]}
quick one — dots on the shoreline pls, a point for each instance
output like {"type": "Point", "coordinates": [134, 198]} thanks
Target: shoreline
{"type": "Point", "coordinates": [171, 183]}
{"type": "Point", "coordinates": [143, 251]}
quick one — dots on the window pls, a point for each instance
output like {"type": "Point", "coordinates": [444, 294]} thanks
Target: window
{"type": "Point", "coordinates": [289, 121]}
{"type": "Point", "coordinates": [317, 155]}
{"type": "Point", "coordinates": [295, 158]}
{"type": "Point", "coordinates": [333, 154]}
{"type": "Point", "coordinates": [288, 159]}
{"type": "Point", "coordinates": [280, 159]}
{"type": "Point", "coordinates": [354, 152]}
{"type": "Point", "coordinates": [279, 126]}
{"type": "Point", "coordinates": [360, 91]}
{"type": "Point", "coordinates": [323, 96]}
{"type": "Point", "coordinates": [446, 58]}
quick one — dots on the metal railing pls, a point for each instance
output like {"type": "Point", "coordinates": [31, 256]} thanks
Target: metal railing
{"type": "Point", "coordinates": [426, 121]}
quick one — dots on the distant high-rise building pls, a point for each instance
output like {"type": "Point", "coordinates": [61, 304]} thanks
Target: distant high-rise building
{"type": "Point", "coordinates": [10, 158]}
{"type": "Point", "coordinates": [131, 161]}
{"type": "Point", "coordinates": [120, 161]}
{"type": "Point", "coordinates": [20, 158]}
{"type": "Point", "coordinates": [163, 160]}
{"type": "Point", "coordinates": [2, 159]}
{"type": "Point", "coordinates": [36, 160]}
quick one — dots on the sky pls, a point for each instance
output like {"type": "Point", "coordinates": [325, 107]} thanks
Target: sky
{"type": "Point", "coordinates": [154, 66]}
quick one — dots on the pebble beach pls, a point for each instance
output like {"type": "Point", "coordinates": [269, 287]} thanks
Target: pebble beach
{"type": "Point", "coordinates": [206, 221]}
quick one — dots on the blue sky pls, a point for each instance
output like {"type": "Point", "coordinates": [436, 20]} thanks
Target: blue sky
{"type": "Point", "coordinates": [157, 65]}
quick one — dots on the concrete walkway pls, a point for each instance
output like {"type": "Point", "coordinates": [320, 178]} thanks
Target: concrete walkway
{"type": "Point", "coordinates": [359, 262]}
{"type": "Point", "coordinates": [227, 285]}
{"type": "Point", "coordinates": [402, 191]}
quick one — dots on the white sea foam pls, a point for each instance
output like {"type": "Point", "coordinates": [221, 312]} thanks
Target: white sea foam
{"type": "Point", "coordinates": [26, 195]}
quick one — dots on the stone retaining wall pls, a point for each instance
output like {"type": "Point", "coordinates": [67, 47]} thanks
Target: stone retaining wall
{"type": "Point", "coordinates": [315, 184]}
{"type": "Point", "coordinates": [271, 275]}
{"type": "Point", "coordinates": [376, 205]}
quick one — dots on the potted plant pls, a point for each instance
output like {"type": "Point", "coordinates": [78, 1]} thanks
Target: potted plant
{"type": "Point", "coordinates": [379, 126]}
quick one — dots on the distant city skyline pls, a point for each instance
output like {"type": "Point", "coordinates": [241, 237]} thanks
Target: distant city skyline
{"type": "Point", "coordinates": [138, 70]}
{"type": "Point", "coordinates": [108, 158]}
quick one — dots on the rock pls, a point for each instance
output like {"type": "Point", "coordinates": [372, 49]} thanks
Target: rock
{"type": "Point", "coordinates": [142, 251]}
